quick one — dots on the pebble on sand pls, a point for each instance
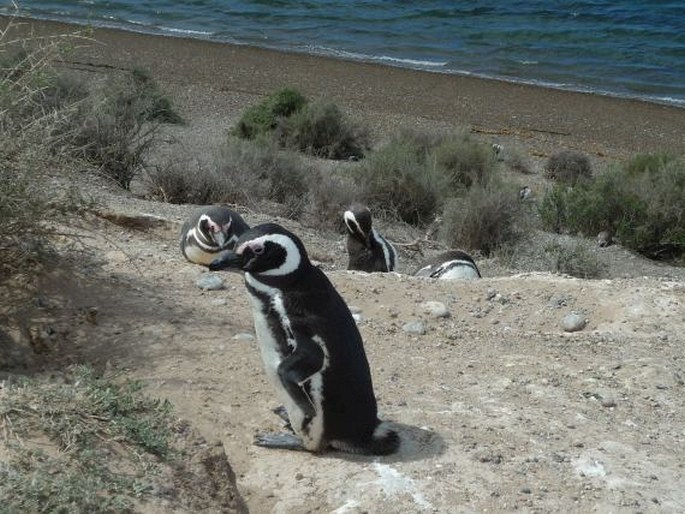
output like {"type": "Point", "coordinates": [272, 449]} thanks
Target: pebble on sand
{"type": "Point", "coordinates": [210, 282]}
{"type": "Point", "coordinates": [573, 322]}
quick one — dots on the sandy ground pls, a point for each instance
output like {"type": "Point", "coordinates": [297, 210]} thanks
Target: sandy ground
{"type": "Point", "coordinates": [498, 408]}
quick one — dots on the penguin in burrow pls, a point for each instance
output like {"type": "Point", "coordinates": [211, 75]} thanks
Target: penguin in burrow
{"type": "Point", "coordinates": [208, 231]}
{"type": "Point", "coordinates": [367, 250]}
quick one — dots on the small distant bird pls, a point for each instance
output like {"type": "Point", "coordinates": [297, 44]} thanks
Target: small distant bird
{"type": "Point", "coordinates": [498, 149]}
{"type": "Point", "coordinates": [367, 249]}
{"type": "Point", "coordinates": [524, 193]}
{"type": "Point", "coordinates": [209, 231]}
{"type": "Point", "coordinates": [453, 264]}
{"type": "Point", "coordinates": [604, 239]}
{"type": "Point", "coordinates": [312, 350]}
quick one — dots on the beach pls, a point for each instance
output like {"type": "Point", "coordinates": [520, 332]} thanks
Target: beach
{"type": "Point", "coordinates": [211, 83]}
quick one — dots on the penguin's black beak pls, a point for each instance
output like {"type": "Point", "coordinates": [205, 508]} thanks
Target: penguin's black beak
{"type": "Point", "coordinates": [227, 261]}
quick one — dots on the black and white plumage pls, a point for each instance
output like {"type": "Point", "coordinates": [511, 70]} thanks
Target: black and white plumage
{"type": "Point", "coordinates": [367, 249]}
{"type": "Point", "coordinates": [453, 264]}
{"type": "Point", "coordinates": [209, 231]}
{"type": "Point", "coordinates": [311, 347]}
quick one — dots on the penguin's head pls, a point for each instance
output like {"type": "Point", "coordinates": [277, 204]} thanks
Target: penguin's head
{"type": "Point", "coordinates": [215, 229]}
{"type": "Point", "coordinates": [358, 222]}
{"type": "Point", "coordinates": [267, 250]}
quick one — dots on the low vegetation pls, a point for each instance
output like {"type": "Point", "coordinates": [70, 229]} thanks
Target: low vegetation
{"type": "Point", "coordinates": [568, 167]}
{"type": "Point", "coordinates": [263, 117]}
{"type": "Point", "coordinates": [486, 218]}
{"type": "Point", "coordinates": [574, 259]}
{"type": "Point", "coordinates": [397, 178]}
{"type": "Point", "coordinates": [319, 128]}
{"type": "Point", "coordinates": [322, 130]}
{"type": "Point", "coordinates": [51, 125]}
{"type": "Point", "coordinates": [641, 202]}
{"type": "Point", "coordinates": [67, 441]}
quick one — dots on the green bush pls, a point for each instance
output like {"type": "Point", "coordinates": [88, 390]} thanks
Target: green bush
{"type": "Point", "coordinates": [263, 117]}
{"type": "Point", "coordinates": [485, 218]}
{"type": "Point", "coordinates": [645, 211]}
{"type": "Point", "coordinates": [647, 163]}
{"type": "Point", "coordinates": [322, 130]}
{"type": "Point", "coordinates": [568, 166]}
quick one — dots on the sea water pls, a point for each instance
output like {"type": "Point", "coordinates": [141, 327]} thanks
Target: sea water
{"type": "Point", "coordinates": [623, 47]}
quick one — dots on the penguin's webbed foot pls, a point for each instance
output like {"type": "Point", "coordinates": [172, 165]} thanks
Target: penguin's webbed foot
{"type": "Point", "coordinates": [283, 414]}
{"type": "Point", "coordinates": [279, 441]}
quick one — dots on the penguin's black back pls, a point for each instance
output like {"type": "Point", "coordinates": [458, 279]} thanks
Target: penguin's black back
{"type": "Point", "coordinates": [315, 308]}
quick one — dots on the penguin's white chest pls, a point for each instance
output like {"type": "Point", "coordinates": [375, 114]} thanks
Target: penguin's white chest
{"type": "Point", "coordinates": [199, 256]}
{"type": "Point", "coordinates": [268, 344]}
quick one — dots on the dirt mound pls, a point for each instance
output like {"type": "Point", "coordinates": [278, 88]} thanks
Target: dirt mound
{"type": "Point", "coordinates": [498, 407]}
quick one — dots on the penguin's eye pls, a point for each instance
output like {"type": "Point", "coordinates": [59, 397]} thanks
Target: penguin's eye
{"type": "Point", "coordinates": [258, 250]}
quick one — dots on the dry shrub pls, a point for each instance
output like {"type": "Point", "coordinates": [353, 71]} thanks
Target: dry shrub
{"type": "Point", "coordinates": [114, 128]}
{"type": "Point", "coordinates": [32, 98]}
{"type": "Point", "coordinates": [396, 178]}
{"type": "Point", "coordinates": [465, 161]}
{"type": "Point", "coordinates": [244, 173]}
{"type": "Point", "coordinates": [322, 130]}
{"type": "Point", "coordinates": [568, 166]}
{"type": "Point", "coordinates": [485, 218]}
{"type": "Point", "coordinates": [575, 260]}
{"type": "Point", "coordinates": [331, 194]}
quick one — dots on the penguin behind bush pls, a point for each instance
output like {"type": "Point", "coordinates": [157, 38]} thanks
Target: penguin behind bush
{"type": "Point", "coordinates": [311, 347]}
{"type": "Point", "coordinates": [367, 249]}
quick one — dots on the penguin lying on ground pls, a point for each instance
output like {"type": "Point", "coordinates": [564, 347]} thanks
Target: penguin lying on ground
{"type": "Point", "coordinates": [311, 347]}
{"type": "Point", "coordinates": [209, 231]}
{"type": "Point", "coordinates": [450, 265]}
{"type": "Point", "coordinates": [367, 249]}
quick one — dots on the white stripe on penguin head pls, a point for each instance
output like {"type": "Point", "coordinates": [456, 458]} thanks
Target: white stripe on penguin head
{"type": "Point", "coordinates": [292, 253]}
{"type": "Point", "coordinates": [349, 217]}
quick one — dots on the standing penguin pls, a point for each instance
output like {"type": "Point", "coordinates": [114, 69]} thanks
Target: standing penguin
{"type": "Point", "coordinates": [311, 347]}
{"type": "Point", "coordinates": [367, 249]}
{"type": "Point", "coordinates": [449, 265]}
{"type": "Point", "coordinates": [209, 231]}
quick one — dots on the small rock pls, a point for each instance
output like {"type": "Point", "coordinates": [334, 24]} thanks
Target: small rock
{"type": "Point", "coordinates": [491, 294]}
{"type": "Point", "coordinates": [573, 322]}
{"type": "Point", "coordinates": [559, 300]}
{"type": "Point", "coordinates": [354, 310]}
{"type": "Point", "coordinates": [435, 309]}
{"type": "Point", "coordinates": [210, 282]}
{"type": "Point", "coordinates": [243, 336]}
{"type": "Point", "coordinates": [414, 327]}
{"type": "Point", "coordinates": [608, 402]}
{"type": "Point", "coordinates": [358, 318]}
{"type": "Point", "coordinates": [219, 302]}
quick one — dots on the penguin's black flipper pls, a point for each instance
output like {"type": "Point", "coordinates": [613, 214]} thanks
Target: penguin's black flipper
{"type": "Point", "coordinates": [279, 441]}
{"type": "Point", "coordinates": [296, 368]}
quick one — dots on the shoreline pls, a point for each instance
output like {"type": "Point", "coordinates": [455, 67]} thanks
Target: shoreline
{"type": "Point", "coordinates": [381, 61]}
{"type": "Point", "coordinates": [207, 77]}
